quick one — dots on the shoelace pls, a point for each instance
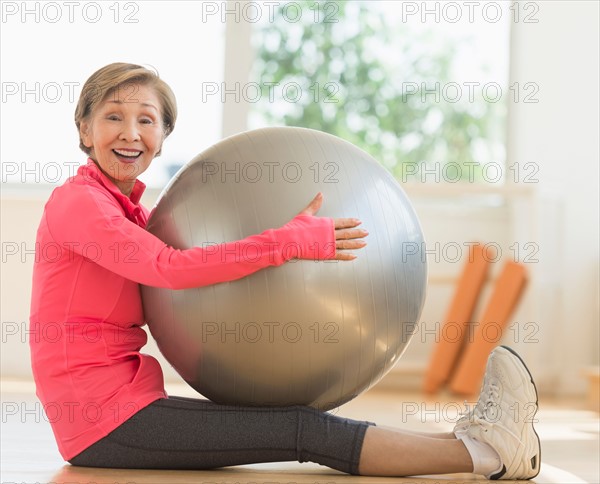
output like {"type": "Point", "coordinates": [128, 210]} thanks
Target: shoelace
{"type": "Point", "coordinates": [487, 408]}
{"type": "Point", "coordinates": [466, 415]}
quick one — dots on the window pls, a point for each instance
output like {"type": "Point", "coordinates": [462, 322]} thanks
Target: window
{"type": "Point", "coordinates": [421, 86]}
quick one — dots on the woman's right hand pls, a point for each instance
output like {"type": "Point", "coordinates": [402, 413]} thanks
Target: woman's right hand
{"type": "Point", "coordinates": [347, 237]}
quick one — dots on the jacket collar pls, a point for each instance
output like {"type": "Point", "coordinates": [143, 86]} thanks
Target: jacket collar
{"type": "Point", "coordinates": [129, 203]}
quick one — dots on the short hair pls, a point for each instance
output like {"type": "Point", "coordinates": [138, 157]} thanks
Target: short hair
{"type": "Point", "coordinates": [108, 79]}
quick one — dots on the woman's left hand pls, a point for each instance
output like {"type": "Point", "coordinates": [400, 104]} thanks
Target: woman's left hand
{"type": "Point", "coordinates": [347, 237]}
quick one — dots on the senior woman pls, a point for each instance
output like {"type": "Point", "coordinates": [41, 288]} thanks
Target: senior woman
{"type": "Point", "coordinates": [106, 400]}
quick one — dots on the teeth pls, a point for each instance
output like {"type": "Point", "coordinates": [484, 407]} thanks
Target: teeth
{"type": "Point", "coordinates": [130, 154]}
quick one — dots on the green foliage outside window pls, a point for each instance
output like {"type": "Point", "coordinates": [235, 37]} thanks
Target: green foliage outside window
{"type": "Point", "coordinates": [345, 71]}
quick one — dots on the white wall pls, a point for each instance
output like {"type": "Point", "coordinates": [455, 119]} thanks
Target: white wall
{"type": "Point", "coordinates": [560, 133]}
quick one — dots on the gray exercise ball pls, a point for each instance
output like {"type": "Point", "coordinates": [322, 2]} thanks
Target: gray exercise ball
{"type": "Point", "coordinates": [314, 333]}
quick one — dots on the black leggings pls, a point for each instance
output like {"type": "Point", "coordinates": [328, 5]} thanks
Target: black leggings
{"type": "Point", "coordinates": [187, 433]}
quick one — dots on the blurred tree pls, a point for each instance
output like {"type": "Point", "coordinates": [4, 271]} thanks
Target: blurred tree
{"type": "Point", "coordinates": [342, 69]}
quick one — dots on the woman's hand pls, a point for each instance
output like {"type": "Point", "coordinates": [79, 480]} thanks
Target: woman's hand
{"type": "Point", "coordinates": [345, 234]}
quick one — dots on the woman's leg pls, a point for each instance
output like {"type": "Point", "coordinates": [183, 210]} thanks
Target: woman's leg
{"type": "Point", "coordinates": [389, 452]}
{"type": "Point", "coordinates": [182, 433]}
{"type": "Point", "coordinates": [198, 434]}
{"type": "Point", "coordinates": [431, 435]}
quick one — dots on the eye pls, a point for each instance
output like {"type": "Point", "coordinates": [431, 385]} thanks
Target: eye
{"type": "Point", "coordinates": [112, 117]}
{"type": "Point", "coordinates": [147, 121]}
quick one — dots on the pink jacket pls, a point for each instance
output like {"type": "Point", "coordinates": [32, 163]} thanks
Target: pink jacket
{"type": "Point", "coordinates": [92, 252]}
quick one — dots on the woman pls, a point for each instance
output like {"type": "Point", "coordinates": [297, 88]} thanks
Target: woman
{"type": "Point", "coordinates": [106, 400]}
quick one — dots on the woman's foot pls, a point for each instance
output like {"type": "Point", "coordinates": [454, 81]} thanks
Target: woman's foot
{"type": "Point", "coordinates": [504, 415]}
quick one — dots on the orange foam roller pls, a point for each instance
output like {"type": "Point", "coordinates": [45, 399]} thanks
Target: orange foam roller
{"type": "Point", "coordinates": [506, 294]}
{"type": "Point", "coordinates": [454, 330]}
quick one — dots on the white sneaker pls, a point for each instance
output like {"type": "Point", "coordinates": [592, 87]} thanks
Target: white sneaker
{"type": "Point", "coordinates": [504, 415]}
{"type": "Point", "coordinates": [462, 424]}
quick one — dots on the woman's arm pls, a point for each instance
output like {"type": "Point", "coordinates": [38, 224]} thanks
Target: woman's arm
{"type": "Point", "coordinates": [87, 221]}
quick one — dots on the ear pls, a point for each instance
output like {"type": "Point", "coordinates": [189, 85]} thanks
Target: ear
{"type": "Point", "coordinates": [85, 133]}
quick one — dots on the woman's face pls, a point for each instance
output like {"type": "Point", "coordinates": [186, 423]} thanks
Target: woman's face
{"type": "Point", "coordinates": [125, 132]}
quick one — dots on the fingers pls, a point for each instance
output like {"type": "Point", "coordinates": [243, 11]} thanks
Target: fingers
{"type": "Point", "coordinates": [313, 207]}
{"type": "Point", "coordinates": [344, 256]}
{"type": "Point", "coordinates": [346, 223]}
{"type": "Point", "coordinates": [346, 234]}
{"type": "Point", "coordinates": [349, 240]}
{"type": "Point", "coordinates": [350, 244]}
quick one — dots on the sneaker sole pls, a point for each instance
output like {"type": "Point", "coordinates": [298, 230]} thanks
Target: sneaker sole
{"type": "Point", "coordinates": [539, 463]}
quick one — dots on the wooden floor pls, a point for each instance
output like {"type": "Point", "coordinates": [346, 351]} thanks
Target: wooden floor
{"type": "Point", "coordinates": [569, 434]}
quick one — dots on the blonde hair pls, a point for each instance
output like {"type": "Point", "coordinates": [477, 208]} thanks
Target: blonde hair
{"type": "Point", "coordinates": [108, 79]}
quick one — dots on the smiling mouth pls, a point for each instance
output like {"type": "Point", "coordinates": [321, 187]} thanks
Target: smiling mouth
{"type": "Point", "coordinates": [128, 155]}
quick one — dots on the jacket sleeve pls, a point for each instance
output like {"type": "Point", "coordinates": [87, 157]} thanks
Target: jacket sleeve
{"type": "Point", "coordinates": [88, 222]}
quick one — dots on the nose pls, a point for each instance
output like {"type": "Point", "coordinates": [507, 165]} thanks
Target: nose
{"type": "Point", "coordinates": [130, 131]}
